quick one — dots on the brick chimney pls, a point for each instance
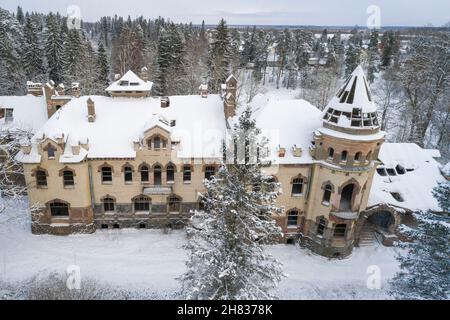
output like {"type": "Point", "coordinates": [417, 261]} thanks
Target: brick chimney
{"type": "Point", "coordinates": [229, 100]}
{"type": "Point", "coordinates": [60, 89]}
{"type": "Point", "coordinates": [144, 74]}
{"type": "Point", "coordinates": [91, 110]}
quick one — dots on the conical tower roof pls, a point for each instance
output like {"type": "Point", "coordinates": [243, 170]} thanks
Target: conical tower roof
{"type": "Point", "coordinates": [352, 107]}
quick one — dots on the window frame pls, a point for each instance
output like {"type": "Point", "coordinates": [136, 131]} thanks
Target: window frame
{"type": "Point", "coordinates": [109, 201]}
{"type": "Point", "coordinates": [142, 201]}
{"type": "Point", "coordinates": [106, 177]}
{"type": "Point", "coordinates": [68, 183]}
{"type": "Point", "coordinates": [58, 204]}
{"type": "Point", "coordinates": [187, 173]}
{"type": "Point", "coordinates": [289, 221]}
{"type": "Point", "coordinates": [43, 177]}
{"type": "Point", "coordinates": [297, 182]}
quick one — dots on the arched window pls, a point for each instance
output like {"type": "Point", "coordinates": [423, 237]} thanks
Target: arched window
{"type": "Point", "coordinates": [170, 172]}
{"type": "Point", "coordinates": [128, 174]}
{"type": "Point", "coordinates": [297, 187]}
{"type": "Point", "coordinates": [59, 209]}
{"type": "Point", "coordinates": [157, 175]}
{"type": "Point", "coordinates": [174, 203]}
{"type": "Point", "coordinates": [41, 178]}
{"type": "Point", "coordinates": [344, 156]}
{"type": "Point", "coordinates": [292, 218]}
{"type": "Point", "coordinates": [358, 156]}
{"type": "Point", "coordinates": [107, 175]}
{"type": "Point", "coordinates": [145, 177]}
{"type": "Point", "coordinates": [142, 204]}
{"type": "Point", "coordinates": [369, 156]}
{"type": "Point", "coordinates": [68, 178]}
{"type": "Point", "coordinates": [210, 171]}
{"type": "Point", "coordinates": [330, 153]}
{"type": "Point", "coordinates": [328, 190]}
{"type": "Point", "coordinates": [109, 204]}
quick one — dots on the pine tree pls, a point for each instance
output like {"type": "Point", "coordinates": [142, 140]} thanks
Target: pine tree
{"type": "Point", "coordinates": [226, 254]}
{"type": "Point", "coordinates": [425, 268]}
{"type": "Point", "coordinates": [219, 57]}
{"type": "Point", "coordinates": [32, 53]}
{"type": "Point", "coordinates": [352, 58]}
{"type": "Point", "coordinates": [20, 16]}
{"type": "Point", "coordinates": [54, 48]}
{"type": "Point", "coordinates": [11, 41]}
{"type": "Point", "coordinates": [102, 67]}
{"type": "Point", "coordinates": [73, 57]}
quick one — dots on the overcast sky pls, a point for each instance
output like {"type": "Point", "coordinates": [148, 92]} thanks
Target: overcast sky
{"type": "Point", "coordinates": [266, 12]}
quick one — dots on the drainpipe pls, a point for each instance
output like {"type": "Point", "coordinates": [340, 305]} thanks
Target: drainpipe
{"type": "Point", "coordinates": [91, 186]}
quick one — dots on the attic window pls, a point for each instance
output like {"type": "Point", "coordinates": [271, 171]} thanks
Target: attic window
{"type": "Point", "coordinates": [124, 83]}
{"type": "Point", "coordinates": [382, 172]}
{"type": "Point", "coordinates": [400, 169]}
{"type": "Point", "coordinates": [369, 96]}
{"type": "Point", "coordinates": [391, 172]}
{"type": "Point", "coordinates": [173, 123]}
{"type": "Point", "coordinates": [51, 152]}
{"type": "Point", "coordinates": [134, 83]}
{"type": "Point", "coordinates": [351, 96]}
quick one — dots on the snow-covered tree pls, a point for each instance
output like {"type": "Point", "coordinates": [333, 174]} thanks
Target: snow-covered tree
{"type": "Point", "coordinates": [219, 57]}
{"type": "Point", "coordinates": [11, 71]}
{"type": "Point", "coordinates": [425, 268]}
{"type": "Point", "coordinates": [352, 58]}
{"type": "Point", "coordinates": [226, 247]}
{"type": "Point", "coordinates": [373, 58]}
{"type": "Point", "coordinates": [102, 66]}
{"type": "Point", "coordinates": [32, 53]}
{"type": "Point", "coordinates": [54, 46]}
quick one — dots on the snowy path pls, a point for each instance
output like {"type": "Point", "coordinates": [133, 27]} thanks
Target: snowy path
{"type": "Point", "coordinates": [151, 260]}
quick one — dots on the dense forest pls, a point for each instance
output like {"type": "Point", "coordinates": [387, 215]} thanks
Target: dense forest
{"type": "Point", "coordinates": [409, 69]}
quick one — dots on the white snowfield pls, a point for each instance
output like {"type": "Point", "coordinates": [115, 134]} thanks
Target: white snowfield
{"type": "Point", "coordinates": [148, 262]}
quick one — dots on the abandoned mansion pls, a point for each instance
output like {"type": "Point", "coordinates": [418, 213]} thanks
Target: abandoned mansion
{"type": "Point", "coordinates": [132, 160]}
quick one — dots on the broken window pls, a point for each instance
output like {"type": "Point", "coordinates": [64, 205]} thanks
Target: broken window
{"type": "Point", "coordinates": [59, 209]}
{"type": "Point", "coordinates": [128, 171]}
{"type": "Point", "coordinates": [297, 187]}
{"type": "Point", "coordinates": [107, 175]}
{"type": "Point", "coordinates": [170, 172]}
{"type": "Point", "coordinates": [142, 204]}
{"type": "Point", "coordinates": [68, 178]}
{"type": "Point", "coordinates": [144, 174]}
{"type": "Point", "coordinates": [41, 179]}
{"type": "Point", "coordinates": [187, 173]}
{"type": "Point", "coordinates": [330, 153]}
{"type": "Point", "coordinates": [328, 190]}
{"type": "Point", "coordinates": [108, 205]}
{"type": "Point", "coordinates": [321, 227]}
{"type": "Point", "coordinates": [292, 219]}
{"type": "Point", "coordinates": [157, 175]}
{"type": "Point", "coordinates": [210, 171]}
{"type": "Point", "coordinates": [174, 204]}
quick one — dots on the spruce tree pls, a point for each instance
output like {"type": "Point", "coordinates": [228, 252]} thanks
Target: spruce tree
{"type": "Point", "coordinates": [425, 267]}
{"type": "Point", "coordinates": [373, 56]}
{"type": "Point", "coordinates": [20, 16]}
{"type": "Point", "coordinates": [226, 253]}
{"type": "Point", "coordinates": [219, 57]}
{"type": "Point", "coordinates": [32, 53]}
{"type": "Point", "coordinates": [102, 67]}
{"type": "Point", "coordinates": [54, 48]}
{"type": "Point", "coordinates": [73, 56]}
{"type": "Point", "coordinates": [352, 58]}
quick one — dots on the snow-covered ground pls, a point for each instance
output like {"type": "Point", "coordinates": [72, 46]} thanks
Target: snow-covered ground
{"type": "Point", "coordinates": [150, 261]}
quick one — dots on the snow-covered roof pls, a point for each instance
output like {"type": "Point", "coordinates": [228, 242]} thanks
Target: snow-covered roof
{"type": "Point", "coordinates": [121, 121]}
{"type": "Point", "coordinates": [29, 112]}
{"type": "Point", "coordinates": [130, 82]}
{"type": "Point", "coordinates": [286, 122]}
{"type": "Point", "coordinates": [407, 171]}
{"type": "Point", "coordinates": [355, 93]}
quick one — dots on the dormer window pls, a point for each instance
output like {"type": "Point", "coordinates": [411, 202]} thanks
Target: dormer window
{"type": "Point", "coordinates": [157, 143]}
{"type": "Point", "coordinates": [134, 84]}
{"type": "Point", "coordinates": [51, 152]}
{"type": "Point", "coordinates": [124, 83]}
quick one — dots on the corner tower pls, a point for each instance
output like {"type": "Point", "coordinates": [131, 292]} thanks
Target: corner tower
{"type": "Point", "coordinates": [345, 150]}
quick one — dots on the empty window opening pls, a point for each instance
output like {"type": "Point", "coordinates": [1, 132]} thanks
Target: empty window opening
{"type": "Point", "coordinates": [330, 153]}
{"type": "Point", "coordinates": [210, 171]}
{"type": "Point", "coordinates": [142, 226]}
{"type": "Point", "coordinates": [142, 204]}
{"type": "Point", "coordinates": [41, 179]}
{"type": "Point", "coordinates": [321, 227]}
{"type": "Point", "coordinates": [344, 156]}
{"type": "Point", "coordinates": [397, 196]}
{"type": "Point", "coordinates": [297, 187]}
{"type": "Point", "coordinates": [116, 226]}
{"type": "Point", "coordinates": [59, 209]}
{"type": "Point", "coordinates": [104, 226]}
{"type": "Point", "coordinates": [157, 173]}
{"type": "Point", "coordinates": [292, 219]}
{"type": "Point", "coordinates": [382, 172]}
{"type": "Point", "coordinates": [108, 205]}
{"type": "Point", "coordinates": [170, 172]}
{"type": "Point", "coordinates": [187, 174]}
{"type": "Point", "coordinates": [51, 152]}
{"type": "Point", "coordinates": [128, 174]}
{"type": "Point", "coordinates": [346, 197]}
{"type": "Point", "coordinates": [68, 179]}
{"type": "Point", "coordinates": [391, 172]}
{"type": "Point", "coordinates": [358, 156]}
{"type": "Point", "coordinates": [339, 230]}
{"type": "Point", "coordinates": [174, 204]}
{"type": "Point", "coordinates": [144, 174]}
{"type": "Point", "coordinates": [327, 194]}
{"type": "Point", "coordinates": [106, 175]}
{"type": "Point", "coordinates": [400, 170]}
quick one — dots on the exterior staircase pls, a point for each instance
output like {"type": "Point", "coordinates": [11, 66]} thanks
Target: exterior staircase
{"type": "Point", "coordinates": [368, 237]}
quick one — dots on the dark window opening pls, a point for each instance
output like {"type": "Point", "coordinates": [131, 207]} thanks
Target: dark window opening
{"type": "Point", "coordinates": [397, 196]}
{"type": "Point", "coordinates": [210, 172]}
{"type": "Point", "coordinates": [187, 174]}
{"type": "Point", "coordinates": [170, 171]}
{"type": "Point", "coordinates": [68, 179]}
{"type": "Point", "coordinates": [321, 227]}
{"type": "Point", "coordinates": [128, 174]}
{"type": "Point", "coordinates": [104, 226]}
{"type": "Point", "coordinates": [382, 172]}
{"type": "Point", "coordinates": [292, 220]}
{"type": "Point", "coordinates": [157, 143]}
{"type": "Point", "coordinates": [356, 123]}
{"type": "Point", "coordinates": [297, 187]}
{"type": "Point", "coordinates": [142, 204]}
{"type": "Point", "coordinates": [116, 226]}
{"type": "Point", "coordinates": [106, 174]}
{"type": "Point", "coordinates": [144, 174]}
{"type": "Point", "coordinates": [157, 173]}
{"type": "Point", "coordinates": [174, 204]}
{"type": "Point", "coordinates": [339, 230]}
{"type": "Point", "coordinates": [346, 197]}
{"type": "Point", "coordinates": [51, 152]}
{"type": "Point", "coordinates": [41, 178]}
{"type": "Point", "coordinates": [59, 209]}
{"type": "Point", "coordinates": [344, 156]}
{"type": "Point", "coordinates": [142, 226]}
{"type": "Point", "coordinates": [351, 96]}
{"type": "Point", "coordinates": [327, 194]}
{"type": "Point", "coordinates": [358, 156]}
{"type": "Point", "coordinates": [369, 96]}
{"type": "Point", "coordinates": [391, 172]}
{"type": "Point", "coordinates": [344, 97]}
{"type": "Point", "coordinates": [330, 153]}
{"type": "Point", "coordinates": [108, 205]}
{"type": "Point", "coordinates": [400, 169]}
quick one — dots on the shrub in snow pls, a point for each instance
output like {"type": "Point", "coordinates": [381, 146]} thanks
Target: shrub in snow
{"type": "Point", "coordinates": [226, 256]}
